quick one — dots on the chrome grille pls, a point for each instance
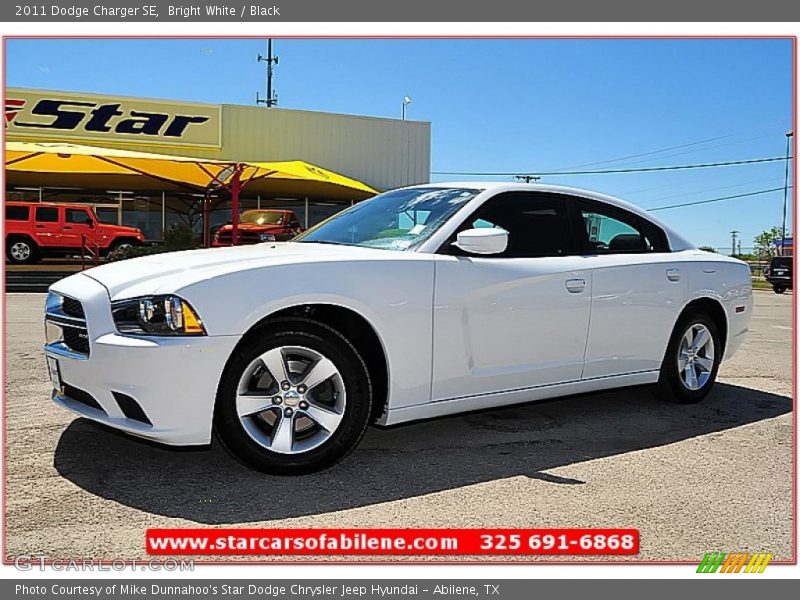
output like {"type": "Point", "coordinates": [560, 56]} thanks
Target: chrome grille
{"type": "Point", "coordinates": [72, 307]}
{"type": "Point", "coordinates": [67, 315]}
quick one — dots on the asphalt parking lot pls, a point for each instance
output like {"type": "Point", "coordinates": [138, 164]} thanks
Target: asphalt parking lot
{"type": "Point", "coordinates": [693, 479]}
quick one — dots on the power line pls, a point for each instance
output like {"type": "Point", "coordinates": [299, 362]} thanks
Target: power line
{"type": "Point", "coordinates": [695, 150]}
{"type": "Point", "coordinates": [679, 146]}
{"type": "Point", "coordinates": [612, 171]}
{"type": "Point", "coordinates": [718, 188]}
{"type": "Point", "coordinates": [720, 199]}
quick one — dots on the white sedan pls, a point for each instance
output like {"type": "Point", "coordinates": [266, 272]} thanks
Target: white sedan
{"type": "Point", "coordinates": [420, 302]}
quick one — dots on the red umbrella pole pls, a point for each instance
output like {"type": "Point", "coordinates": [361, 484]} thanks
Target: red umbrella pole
{"type": "Point", "coordinates": [236, 186]}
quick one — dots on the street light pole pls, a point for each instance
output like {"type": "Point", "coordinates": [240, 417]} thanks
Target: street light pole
{"type": "Point", "coordinates": [789, 135]}
{"type": "Point", "coordinates": [406, 102]}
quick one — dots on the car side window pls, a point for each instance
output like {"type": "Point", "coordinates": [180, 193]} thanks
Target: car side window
{"type": "Point", "coordinates": [18, 213]}
{"type": "Point", "coordinates": [612, 230]}
{"type": "Point", "coordinates": [78, 216]}
{"type": "Point", "coordinates": [537, 223]}
{"type": "Point", "coordinates": [47, 214]}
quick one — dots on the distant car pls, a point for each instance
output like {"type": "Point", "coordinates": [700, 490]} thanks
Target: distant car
{"type": "Point", "coordinates": [35, 230]}
{"type": "Point", "coordinates": [256, 226]}
{"type": "Point", "coordinates": [420, 302]}
{"type": "Point", "coordinates": [779, 273]}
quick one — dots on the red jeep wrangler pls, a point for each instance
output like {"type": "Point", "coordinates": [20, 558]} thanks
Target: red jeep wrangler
{"type": "Point", "coordinates": [255, 226]}
{"type": "Point", "coordinates": [34, 230]}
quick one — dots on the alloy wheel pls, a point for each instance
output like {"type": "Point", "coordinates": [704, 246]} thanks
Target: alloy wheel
{"type": "Point", "coordinates": [290, 399]}
{"type": "Point", "coordinates": [20, 251]}
{"type": "Point", "coordinates": [696, 357]}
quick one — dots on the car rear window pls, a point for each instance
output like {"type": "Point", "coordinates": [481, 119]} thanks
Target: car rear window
{"type": "Point", "coordinates": [782, 261]}
{"type": "Point", "coordinates": [18, 213]}
{"type": "Point", "coordinates": [48, 214]}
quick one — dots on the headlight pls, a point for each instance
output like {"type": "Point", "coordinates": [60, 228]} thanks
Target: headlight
{"type": "Point", "coordinates": [266, 237]}
{"type": "Point", "coordinates": [157, 315]}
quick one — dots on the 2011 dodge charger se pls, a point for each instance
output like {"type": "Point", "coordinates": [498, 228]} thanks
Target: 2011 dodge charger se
{"type": "Point", "coordinates": [420, 302]}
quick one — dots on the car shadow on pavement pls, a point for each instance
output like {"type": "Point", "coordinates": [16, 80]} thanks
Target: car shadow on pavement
{"type": "Point", "coordinates": [208, 486]}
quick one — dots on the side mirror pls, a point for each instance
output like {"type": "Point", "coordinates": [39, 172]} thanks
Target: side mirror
{"type": "Point", "coordinates": [482, 241]}
{"type": "Point", "coordinates": [90, 223]}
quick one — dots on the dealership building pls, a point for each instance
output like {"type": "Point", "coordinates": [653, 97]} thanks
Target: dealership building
{"type": "Point", "coordinates": [379, 152]}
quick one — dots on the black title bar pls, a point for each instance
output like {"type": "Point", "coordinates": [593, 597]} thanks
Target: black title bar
{"type": "Point", "coordinates": [402, 10]}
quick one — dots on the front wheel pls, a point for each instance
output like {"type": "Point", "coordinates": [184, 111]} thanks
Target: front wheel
{"type": "Point", "coordinates": [692, 360]}
{"type": "Point", "coordinates": [779, 289]}
{"type": "Point", "coordinates": [121, 245]}
{"type": "Point", "coordinates": [294, 398]}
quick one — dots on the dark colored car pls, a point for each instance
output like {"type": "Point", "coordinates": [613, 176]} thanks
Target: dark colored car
{"type": "Point", "coordinates": [256, 226]}
{"type": "Point", "coordinates": [779, 273]}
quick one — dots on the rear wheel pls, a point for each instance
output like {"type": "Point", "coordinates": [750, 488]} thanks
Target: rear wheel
{"type": "Point", "coordinates": [21, 250]}
{"type": "Point", "coordinates": [295, 398]}
{"type": "Point", "coordinates": [692, 360]}
{"type": "Point", "coordinates": [779, 289]}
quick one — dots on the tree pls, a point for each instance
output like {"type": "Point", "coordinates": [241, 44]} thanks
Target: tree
{"type": "Point", "coordinates": [707, 248]}
{"type": "Point", "coordinates": [763, 242]}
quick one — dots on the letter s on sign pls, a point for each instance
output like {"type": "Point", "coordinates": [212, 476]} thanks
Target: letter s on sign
{"type": "Point", "coordinates": [64, 119]}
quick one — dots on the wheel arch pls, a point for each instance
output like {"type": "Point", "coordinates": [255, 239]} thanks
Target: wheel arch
{"type": "Point", "coordinates": [124, 239]}
{"type": "Point", "coordinates": [16, 235]}
{"type": "Point", "coordinates": [354, 326]}
{"type": "Point", "coordinates": [712, 307]}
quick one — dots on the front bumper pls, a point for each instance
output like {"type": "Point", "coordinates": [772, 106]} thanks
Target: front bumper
{"type": "Point", "coordinates": [172, 380]}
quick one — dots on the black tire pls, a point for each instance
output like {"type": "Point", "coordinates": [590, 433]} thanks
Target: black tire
{"type": "Point", "coordinates": [21, 250]}
{"type": "Point", "coordinates": [295, 331]}
{"type": "Point", "coordinates": [779, 289]}
{"type": "Point", "coordinates": [122, 243]}
{"type": "Point", "coordinates": [670, 386]}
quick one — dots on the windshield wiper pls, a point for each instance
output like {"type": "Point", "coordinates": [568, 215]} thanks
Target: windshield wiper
{"type": "Point", "coordinates": [329, 242]}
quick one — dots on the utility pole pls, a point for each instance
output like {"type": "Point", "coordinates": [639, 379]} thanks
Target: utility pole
{"type": "Point", "coordinates": [272, 98]}
{"type": "Point", "coordinates": [789, 135]}
{"type": "Point", "coordinates": [734, 233]}
{"type": "Point", "coordinates": [527, 178]}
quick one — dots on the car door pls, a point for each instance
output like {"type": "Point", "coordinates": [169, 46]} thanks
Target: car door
{"type": "Point", "coordinates": [47, 226]}
{"type": "Point", "coordinates": [637, 290]}
{"type": "Point", "coordinates": [514, 320]}
{"type": "Point", "coordinates": [78, 223]}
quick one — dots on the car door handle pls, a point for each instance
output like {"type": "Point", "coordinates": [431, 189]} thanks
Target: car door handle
{"type": "Point", "coordinates": [674, 274]}
{"type": "Point", "coordinates": [67, 226]}
{"type": "Point", "coordinates": [575, 286]}
{"type": "Point", "coordinates": [39, 226]}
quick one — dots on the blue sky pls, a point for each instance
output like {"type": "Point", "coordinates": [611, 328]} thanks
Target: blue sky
{"type": "Point", "coordinates": [501, 105]}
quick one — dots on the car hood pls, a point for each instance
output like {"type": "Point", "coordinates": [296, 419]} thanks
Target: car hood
{"type": "Point", "coordinates": [171, 271]}
{"type": "Point", "coordinates": [121, 229]}
{"type": "Point", "coordinates": [252, 227]}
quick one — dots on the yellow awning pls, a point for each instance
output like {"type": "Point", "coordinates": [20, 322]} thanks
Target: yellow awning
{"type": "Point", "coordinates": [71, 165]}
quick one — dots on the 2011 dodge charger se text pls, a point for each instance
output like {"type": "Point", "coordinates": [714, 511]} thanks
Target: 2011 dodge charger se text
{"type": "Point", "coordinates": [419, 302]}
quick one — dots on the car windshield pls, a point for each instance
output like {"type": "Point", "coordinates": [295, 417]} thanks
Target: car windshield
{"type": "Point", "coordinates": [397, 220]}
{"type": "Point", "coordinates": [261, 217]}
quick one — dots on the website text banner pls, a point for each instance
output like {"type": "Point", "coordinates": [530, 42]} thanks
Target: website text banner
{"type": "Point", "coordinates": [392, 542]}
{"type": "Point", "coordinates": [407, 11]}
{"type": "Point", "coordinates": [371, 589]}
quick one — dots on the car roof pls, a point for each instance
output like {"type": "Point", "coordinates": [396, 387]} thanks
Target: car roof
{"type": "Point", "coordinates": [47, 204]}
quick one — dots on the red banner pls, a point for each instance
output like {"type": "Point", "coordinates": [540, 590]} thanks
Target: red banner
{"type": "Point", "coordinates": [388, 542]}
